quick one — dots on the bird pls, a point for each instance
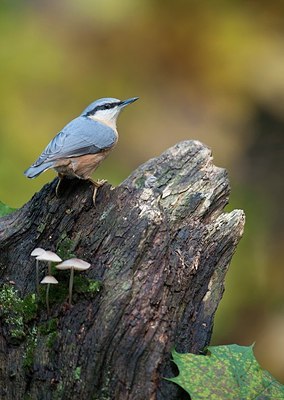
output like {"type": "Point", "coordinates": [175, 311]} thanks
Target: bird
{"type": "Point", "coordinates": [78, 149]}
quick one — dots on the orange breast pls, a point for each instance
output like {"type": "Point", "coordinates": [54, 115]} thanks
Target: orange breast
{"type": "Point", "coordinates": [82, 166]}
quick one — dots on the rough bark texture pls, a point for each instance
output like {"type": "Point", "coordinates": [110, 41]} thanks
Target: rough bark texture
{"type": "Point", "coordinates": [160, 243]}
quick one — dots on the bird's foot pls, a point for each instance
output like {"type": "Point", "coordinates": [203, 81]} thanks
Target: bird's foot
{"type": "Point", "coordinates": [97, 184]}
{"type": "Point", "coordinates": [58, 189]}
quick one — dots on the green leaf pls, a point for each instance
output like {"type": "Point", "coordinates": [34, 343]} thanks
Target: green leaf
{"type": "Point", "coordinates": [226, 372]}
{"type": "Point", "coordinates": [4, 210]}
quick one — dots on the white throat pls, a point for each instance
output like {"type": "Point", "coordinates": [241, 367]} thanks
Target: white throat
{"type": "Point", "coordinates": [111, 122]}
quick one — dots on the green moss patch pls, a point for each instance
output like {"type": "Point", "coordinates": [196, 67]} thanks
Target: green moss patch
{"type": "Point", "coordinates": [65, 247]}
{"type": "Point", "coordinates": [16, 312]}
{"type": "Point", "coordinates": [28, 359]}
{"type": "Point", "coordinates": [5, 210]}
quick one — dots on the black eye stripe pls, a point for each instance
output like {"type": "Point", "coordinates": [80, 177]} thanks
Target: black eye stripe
{"type": "Point", "coordinates": [106, 106]}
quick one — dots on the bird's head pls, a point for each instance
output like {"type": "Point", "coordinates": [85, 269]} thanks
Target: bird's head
{"type": "Point", "coordinates": [106, 110]}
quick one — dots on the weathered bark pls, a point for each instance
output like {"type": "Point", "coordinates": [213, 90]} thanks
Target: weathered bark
{"type": "Point", "coordinates": [160, 243]}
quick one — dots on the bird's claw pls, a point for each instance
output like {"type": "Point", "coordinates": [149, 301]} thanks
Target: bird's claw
{"type": "Point", "coordinates": [57, 189]}
{"type": "Point", "coordinates": [100, 182]}
{"type": "Point", "coordinates": [97, 184]}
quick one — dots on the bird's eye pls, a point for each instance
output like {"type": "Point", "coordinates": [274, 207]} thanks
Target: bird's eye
{"type": "Point", "coordinates": [108, 106]}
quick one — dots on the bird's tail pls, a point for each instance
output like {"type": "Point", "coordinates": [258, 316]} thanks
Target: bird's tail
{"type": "Point", "coordinates": [34, 171]}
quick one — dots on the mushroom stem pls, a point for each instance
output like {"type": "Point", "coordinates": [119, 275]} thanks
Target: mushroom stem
{"type": "Point", "coordinates": [49, 267]}
{"type": "Point", "coordinates": [73, 263]}
{"type": "Point", "coordinates": [71, 285]}
{"type": "Point", "coordinates": [48, 280]}
{"type": "Point", "coordinates": [47, 298]}
{"type": "Point", "coordinates": [37, 278]}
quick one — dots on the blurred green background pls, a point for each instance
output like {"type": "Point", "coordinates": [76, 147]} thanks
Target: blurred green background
{"type": "Point", "coordinates": [206, 70]}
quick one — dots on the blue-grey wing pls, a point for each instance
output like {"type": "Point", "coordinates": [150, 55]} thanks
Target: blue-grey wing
{"type": "Point", "coordinates": [81, 136]}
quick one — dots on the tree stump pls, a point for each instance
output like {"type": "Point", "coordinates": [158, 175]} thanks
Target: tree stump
{"type": "Point", "coordinates": [160, 244]}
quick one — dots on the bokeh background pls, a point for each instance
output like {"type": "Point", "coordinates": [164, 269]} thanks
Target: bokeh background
{"type": "Point", "coordinates": [206, 70]}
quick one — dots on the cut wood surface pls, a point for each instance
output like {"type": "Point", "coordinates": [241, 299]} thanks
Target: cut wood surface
{"type": "Point", "coordinates": [160, 244]}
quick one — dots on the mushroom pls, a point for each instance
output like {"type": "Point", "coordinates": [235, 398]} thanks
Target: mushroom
{"type": "Point", "coordinates": [73, 264]}
{"type": "Point", "coordinates": [49, 280]}
{"type": "Point", "coordinates": [50, 257]}
{"type": "Point", "coordinates": [38, 251]}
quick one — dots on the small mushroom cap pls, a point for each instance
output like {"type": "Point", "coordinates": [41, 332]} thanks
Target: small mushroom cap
{"type": "Point", "coordinates": [75, 263]}
{"type": "Point", "coordinates": [38, 251]}
{"type": "Point", "coordinates": [49, 256]}
{"type": "Point", "coordinates": [49, 279]}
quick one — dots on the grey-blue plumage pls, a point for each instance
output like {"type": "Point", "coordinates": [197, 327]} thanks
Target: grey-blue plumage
{"type": "Point", "coordinates": [84, 142]}
{"type": "Point", "coordinates": [34, 171]}
{"type": "Point", "coordinates": [81, 136]}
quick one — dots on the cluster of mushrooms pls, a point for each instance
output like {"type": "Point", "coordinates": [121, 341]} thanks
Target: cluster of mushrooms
{"type": "Point", "coordinates": [50, 257]}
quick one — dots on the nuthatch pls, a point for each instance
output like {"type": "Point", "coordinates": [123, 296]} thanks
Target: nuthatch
{"type": "Point", "coordinates": [83, 144]}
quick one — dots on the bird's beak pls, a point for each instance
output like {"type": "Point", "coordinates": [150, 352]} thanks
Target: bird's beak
{"type": "Point", "coordinates": [128, 101]}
